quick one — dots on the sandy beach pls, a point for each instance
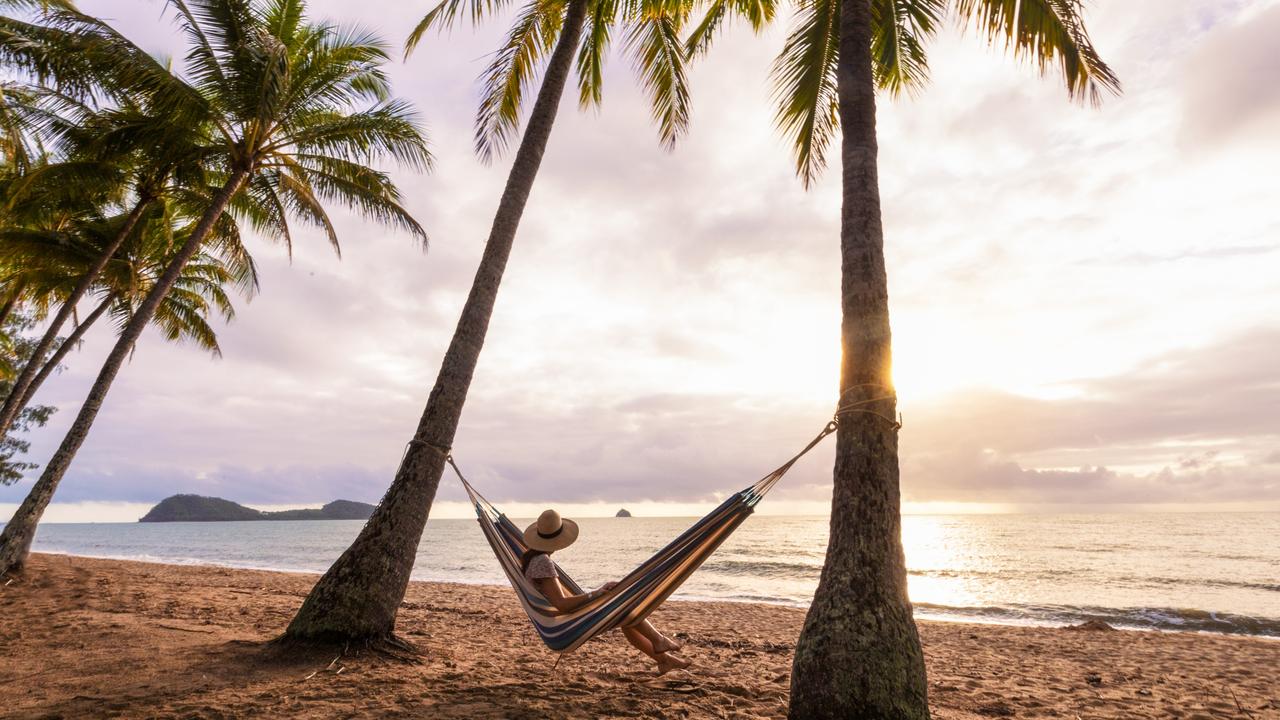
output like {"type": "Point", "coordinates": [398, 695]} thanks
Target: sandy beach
{"type": "Point", "coordinates": [104, 638]}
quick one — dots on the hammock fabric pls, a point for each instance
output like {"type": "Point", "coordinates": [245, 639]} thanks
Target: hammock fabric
{"type": "Point", "coordinates": [643, 589]}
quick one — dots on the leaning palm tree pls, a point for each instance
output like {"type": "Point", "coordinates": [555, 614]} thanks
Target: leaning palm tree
{"type": "Point", "coordinates": [358, 597]}
{"type": "Point", "coordinates": [43, 236]}
{"type": "Point", "coordinates": [298, 110]}
{"type": "Point", "coordinates": [45, 255]}
{"type": "Point", "coordinates": [201, 292]}
{"type": "Point", "coordinates": [138, 156]}
{"type": "Point", "coordinates": [858, 655]}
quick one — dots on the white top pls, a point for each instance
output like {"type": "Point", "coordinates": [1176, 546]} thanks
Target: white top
{"type": "Point", "coordinates": [540, 568]}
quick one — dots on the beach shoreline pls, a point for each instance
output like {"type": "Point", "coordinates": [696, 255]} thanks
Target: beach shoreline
{"type": "Point", "coordinates": [1120, 618]}
{"type": "Point", "coordinates": [101, 637]}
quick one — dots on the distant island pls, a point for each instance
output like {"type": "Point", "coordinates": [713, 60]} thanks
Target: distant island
{"type": "Point", "coordinates": [623, 513]}
{"type": "Point", "coordinates": [197, 508]}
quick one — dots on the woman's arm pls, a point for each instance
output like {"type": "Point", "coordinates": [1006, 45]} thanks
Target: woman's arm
{"type": "Point", "coordinates": [556, 594]}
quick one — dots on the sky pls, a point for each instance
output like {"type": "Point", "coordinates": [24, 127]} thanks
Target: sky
{"type": "Point", "coordinates": [1085, 301]}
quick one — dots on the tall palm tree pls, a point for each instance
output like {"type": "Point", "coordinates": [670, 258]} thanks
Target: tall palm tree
{"type": "Point", "coordinates": [357, 599]}
{"type": "Point", "coordinates": [859, 655]}
{"type": "Point", "coordinates": [298, 110]}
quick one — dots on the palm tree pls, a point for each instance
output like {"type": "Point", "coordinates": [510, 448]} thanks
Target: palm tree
{"type": "Point", "coordinates": [297, 110]}
{"type": "Point", "coordinates": [859, 655]}
{"type": "Point", "coordinates": [200, 292]}
{"type": "Point", "coordinates": [122, 150]}
{"type": "Point", "coordinates": [357, 599]}
{"type": "Point", "coordinates": [46, 255]}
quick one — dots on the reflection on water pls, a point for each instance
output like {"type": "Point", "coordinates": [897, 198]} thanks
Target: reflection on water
{"type": "Point", "coordinates": [1195, 571]}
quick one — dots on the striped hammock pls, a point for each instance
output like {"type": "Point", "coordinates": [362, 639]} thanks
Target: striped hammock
{"type": "Point", "coordinates": [643, 589]}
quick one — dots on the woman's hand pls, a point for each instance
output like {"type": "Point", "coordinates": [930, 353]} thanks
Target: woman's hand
{"type": "Point", "coordinates": [608, 586]}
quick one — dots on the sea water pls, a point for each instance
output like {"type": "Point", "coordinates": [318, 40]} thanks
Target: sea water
{"type": "Point", "coordinates": [1201, 572]}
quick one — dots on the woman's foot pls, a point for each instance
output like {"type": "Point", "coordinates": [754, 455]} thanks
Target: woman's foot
{"type": "Point", "coordinates": [668, 662]}
{"type": "Point", "coordinates": [664, 645]}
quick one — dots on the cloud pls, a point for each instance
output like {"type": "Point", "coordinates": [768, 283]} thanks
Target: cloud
{"type": "Point", "coordinates": [667, 326]}
{"type": "Point", "coordinates": [1194, 425]}
{"type": "Point", "coordinates": [1230, 87]}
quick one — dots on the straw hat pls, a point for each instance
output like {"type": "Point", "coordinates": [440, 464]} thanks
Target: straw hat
{"type": "Point", "coordinates": [551, 532]}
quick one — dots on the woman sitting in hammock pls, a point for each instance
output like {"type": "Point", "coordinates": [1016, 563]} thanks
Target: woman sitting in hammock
{"type": "Point", "coordinates": [551, 533]}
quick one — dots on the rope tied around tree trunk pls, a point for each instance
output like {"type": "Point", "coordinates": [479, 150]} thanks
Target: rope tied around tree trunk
{"type": "Point", "coordinates": [849, 408]}
{"type": "Point", "coordinates": [446, 452]}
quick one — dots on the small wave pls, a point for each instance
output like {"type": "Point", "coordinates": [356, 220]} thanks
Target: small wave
{"type": "Point", "coordinates": [1043, 573]}
{"type": "Point", "coordinates": [1180, 619]}
{"type": "Point", "coordinates": [1228, 556]}
{"type": "Point", "coordinates": [1003, 573]}
{"type": "Point", "coordinates": [750, 599]}
{"type": "Point", "coordinates": [1090, 550]}
{"type": "Point", "coordinates": [1210, 582]}
{"type": "Point", "coordinates": [764, 568]}
{"type": "Point", "coordinates": [179, 560]}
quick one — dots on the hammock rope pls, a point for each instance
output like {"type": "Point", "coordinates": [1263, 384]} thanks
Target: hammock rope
{"type": "Point", "coordinates": [643, 589]}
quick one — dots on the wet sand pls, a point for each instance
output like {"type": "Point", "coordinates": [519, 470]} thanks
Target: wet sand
{"type": "Point", "coordinates": [104, 638]}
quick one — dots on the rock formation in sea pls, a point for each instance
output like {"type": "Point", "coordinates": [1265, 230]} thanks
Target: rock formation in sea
{"type": "Point", "coordinates": [623, 513]}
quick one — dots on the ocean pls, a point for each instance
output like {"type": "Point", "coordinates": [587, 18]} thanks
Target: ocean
{"type": "Point", "coordinates": [1196, 572]}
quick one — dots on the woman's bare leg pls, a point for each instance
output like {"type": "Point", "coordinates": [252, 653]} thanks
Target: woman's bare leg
{"type": "Point", "coordinates": [667, 661]}
{"type": "Point", "coordinates": [661, 643]}
{"type": "Point", "coordinates": [640, 641]}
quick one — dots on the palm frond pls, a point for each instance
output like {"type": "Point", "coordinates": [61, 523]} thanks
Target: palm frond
{"type": "Point", "coordinates": [368, 191]}
{"type": "Point", "coordinates": [659, 56]}
{"type": "Point", "coordinates": [600, 16]}
{"type": "Point", "coordinates": [758, 14]}
{"type": "Point", "coordinates": [899, 31]}
{"type": "Point", "coordinates": [386, 130]}
{"type": "Point", "coordinates": [295, 191]}
{"type": "Point", "coordinates": [511, 74]}
{"type": "Point", "coordinates": [444, 15]}
{"type": "Point", "coordinates": [1046, 33]}
{"type": "Point", "coordinates": [804, 77]}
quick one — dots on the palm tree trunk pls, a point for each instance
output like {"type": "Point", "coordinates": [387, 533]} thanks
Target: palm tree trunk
{"type": "Point", "coordinates": [358, 597]}
{"type": "Point", "coordinates": [15, 541]}
{"type": "Point", "coordinates": [11, 302]}
{"type": "Point", "coordinates": [13, 404]}
{"type": "Point", "coordinates": [859, 655]}
{"type": "Point", "coordinates": [65, 348]}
